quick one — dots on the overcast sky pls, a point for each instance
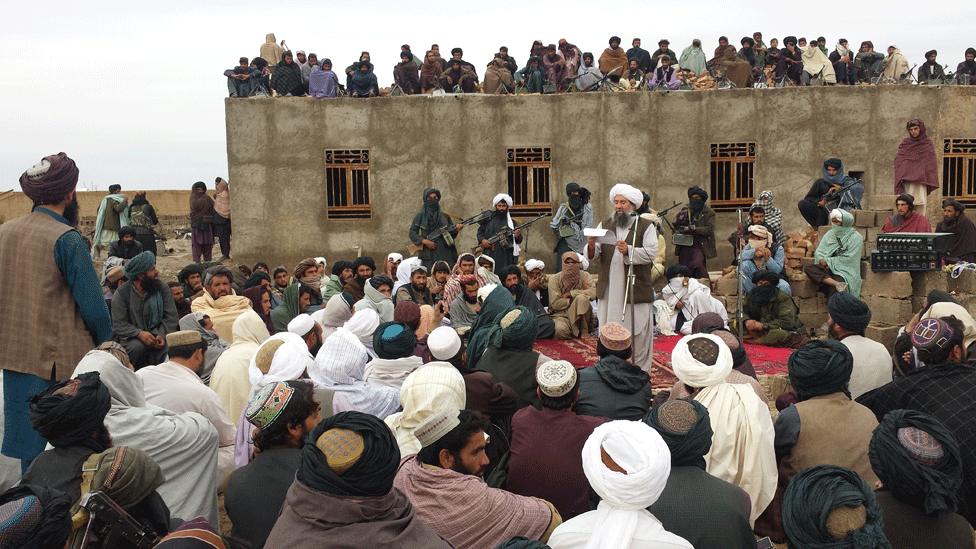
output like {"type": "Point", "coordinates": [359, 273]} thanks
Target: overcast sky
{"type": "Point", "coordinates": [134, 92]}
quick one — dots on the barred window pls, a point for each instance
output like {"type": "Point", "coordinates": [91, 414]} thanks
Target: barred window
{"type": "Point", "coordinates": [730, 170]}
{"type": "Point", "coordinates": [528, 180]}
{"type": "Point", "coordinates": [959, 170]}
{"type": "Point", "coordinates": [347, 184]}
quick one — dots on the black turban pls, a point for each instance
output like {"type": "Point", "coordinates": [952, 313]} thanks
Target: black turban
{"type": "Point", "coordinates": [820, 367]}
{"type": "Point", "coordinates": [686, 428]}
{"type": "Point", "coordinates": [380, 280]}
{"type": "Point", "coordinates": [572, 187]}
{"type": "Point", "coordinates": [747, 41]}
{"type": "Point", "coordinates": [697, 190]}
{"type": "Point", "coordinates": [768, 276]}
{"type": "Point", "coordinates": [918, 459]}
{"type": "Point", "coordinates": [510, 269]}
{"type": "Point", "coordinates": [192, 268]}
{"type": "Point", "coordinates": [66, 420]}
{"type": "Point", "coordinates": [834, 163]}
{"type": "Point", "coordinates": [35, 516]}
{"type": "Point", "coordinates": [340, 266]}
{"type": "Point", "coordinates": [815, 493]}
{"type": "Point", "coordinates": [370, 476]}
{"type": "Point", "coordinates": [677, 270]}
{"type": "Point", "coordinates": [364, 260]}
{"type": "Point", "coordinates": [849, 312]}
{"type": "Point", "coordinates": [789, 39]}
{"type": "Point", "coordinates": [971, 51]}
{"type": "Point", "coordinates": [959, 206]}
{"type": "Point", "coordinates": [256, 278]}
{"type": "Point", "coordinates": [393, 340]}
{"type": "Point", "coordinates": [939, 296]}
{"type": "Point", "coordinates": [931, 52]}
{"type": "Point", "coordinates": [50, 180]}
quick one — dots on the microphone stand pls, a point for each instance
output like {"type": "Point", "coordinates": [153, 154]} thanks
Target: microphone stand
{"type": "Point", "coordinates": [629, 291]}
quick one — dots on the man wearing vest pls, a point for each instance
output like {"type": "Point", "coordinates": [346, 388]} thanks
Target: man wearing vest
{"type": "Point", "coordinates": [615, 253]}
{"type": "Point", "coordinates": [51, 306]}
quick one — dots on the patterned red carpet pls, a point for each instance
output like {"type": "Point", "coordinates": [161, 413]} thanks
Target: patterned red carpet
{"type": "Point", "coordinates": [768, 361]}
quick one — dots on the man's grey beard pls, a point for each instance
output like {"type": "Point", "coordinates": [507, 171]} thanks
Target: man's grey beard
{"type": "Point", "coordinates": [622, 219]}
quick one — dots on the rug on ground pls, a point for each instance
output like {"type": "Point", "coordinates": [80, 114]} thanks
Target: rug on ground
{"type": "Point", "coordinates": [768, 361]}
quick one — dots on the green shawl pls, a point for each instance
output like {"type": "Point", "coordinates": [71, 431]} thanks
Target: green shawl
{"type": "Point", "coordinates": [498, 302]}
{"type": "Point", "coordinates": [841, 248]}
{"type": "Point", "coordinates": [284, 313]}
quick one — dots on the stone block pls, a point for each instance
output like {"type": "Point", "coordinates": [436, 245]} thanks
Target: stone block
{"type": "Point", "coordinates": [898, 284]}
{"type": "Point", "coordinates": [726, 286]}
{"type": "Point", "coordinates": [794, 263]}
{"type": "Point", "coordinates": [925, 281]}
{"type": "Point", "coordinates": [872, 234]}
{"type": "Point", "coordinates": [965, 284]}
{"type": "Point", "coordinates": [812, 321]}
{"type": "Point", "coordinates": [822, 230]}
{"type": "Point", "coordinates": [804, 289]}
{"type": "Point", "coordinates": [807, 304]}
{"type": "Point", "coordinates": [918, 301]}
{"type": "Point", "coordinates": [889, 310]}
{"type": "Point", "coordinates": [883, 333]}
{"type": "Point", "coordinates": [864, 218]}
{"type": "Point", "coordinates": [731, 304]}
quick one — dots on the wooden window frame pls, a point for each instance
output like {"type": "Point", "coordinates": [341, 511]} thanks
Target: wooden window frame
{"type": "Point", "coordinates": [352, 166]}
{"type": "Point", "coordinates": [959, 169]}
{"type": "Point", "coordinates": [732, 162]}
{"type": "Point", "coordinates": [533, 165]}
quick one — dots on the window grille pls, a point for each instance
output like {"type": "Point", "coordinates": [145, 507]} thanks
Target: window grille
{"type": "Point", "coordinates": [959, 170]}
{"type": "Point", "coordinates": [731, 167]}
{"type": "Point", "coordinates": [347, 184]}
{"type": "Point", "coordinates": [529, 171]}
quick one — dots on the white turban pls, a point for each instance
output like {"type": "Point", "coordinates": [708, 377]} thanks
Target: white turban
{"type": "Point", "coordinates": [394, 257]}
{"type": "Point", "coordinates": [584, 263]}
{"type": "Point", "coordinates": [632, 194]}
{"type": "Point", "coordinates": [642, 453]}
{"type": "Point", "coordinates": [693, 373]}
{"type": "Point", "coordinates": [301, 325]}
{"type": "Point", "coordinates": [534, 264]}
{"type": "Point", "coordinates": [321, 261]}
{"type": "Point", "coordinates": [363, 323]}
{"type": "Point", "coordinates": [762, 233]}
{"type": "Point", "coordinates": [485, 290]}
{"type": "Point", "coordinates": [290, 361]}
{"type": "Point", "coordinates": [836, 214]}
{"type": "Point", "coordinates": [502, 197]}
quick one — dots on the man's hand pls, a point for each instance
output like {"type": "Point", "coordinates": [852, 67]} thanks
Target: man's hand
{"type": "Point", "coordinates": [679, 305]}
{"type": "Point", "coordinates": [429, 244]}
{"type": "Point", "coordinates": [822, 263]}
{"type": "Point", "coordinates": [147, 338]}
{"type": "Point", "coordinates": [517, 233]}
{"type": "Point", "coordinates": [440, 311]}
{"type": "Point", "coordinates": [458, 227]}
{"type": "Point", "coordinates": [622, 247]}
{"type": "Point", "coordinates": [485, 245]}
{"type": "Point", "coordinates": [437, 289]}
{"type": "Point", "coordinates": [160, 342]}
{"type": "Point", "coordinates": [822, 202]}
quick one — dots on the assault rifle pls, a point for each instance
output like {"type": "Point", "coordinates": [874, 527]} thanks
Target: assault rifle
{"type": "Point", "coordinates": [100, 517]}
{"type": "Point", "coordinates": [445, 232]}
{"type": "Point", "coordinates": [502, 236]}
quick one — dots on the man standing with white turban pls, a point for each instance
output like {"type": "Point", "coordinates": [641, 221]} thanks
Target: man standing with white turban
{"type": "Point", "coordinates": [613, 253]}
{"type": "Point", "coordinates": [627, 464]}
{"type": "Point", "coordinates": [506, 252]}
{"type": "Point", "coordinates": [742, 441]}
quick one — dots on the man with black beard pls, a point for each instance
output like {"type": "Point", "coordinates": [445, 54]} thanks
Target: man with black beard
{"type": "Point", "coordinates": [966, 71]}
{"type": "Point", "coordinates": [571, 218]}
{"type": "Point", "coordinates": [931, 71]}
{"type": "Point", "coordinates": [434, 247]}
{"type": "Point", "coordinates": [511, 278]}
{"type": "Point", "coordinates": [45, 252]}
{"type": "Point", "coordinates": [506, 252]}
{"type": "Point", "coordinates": [417, 290]}
{"type": "Point", "coordinates": [465, 307]}
{"type": "Point", "coordinates": [126, 246]}
{"type": "Point", "coordinates": [143, 312]}
{"type": "Point", "coordinates": [955, 221]}
{"type": "Point", "coordinates": [696, 220]}
{"type": "Point", "coordinates": [362, 268]}
{"type": "Point", "coordinates": [769, 316]}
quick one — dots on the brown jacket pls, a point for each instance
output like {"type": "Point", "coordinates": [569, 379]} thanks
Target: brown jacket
{"type": "Point", "coordinates": [834, 430]}
{"type": "Point", "coordinates": [644, 285]}
{"type": "Point", "coordinates": [42, 327]}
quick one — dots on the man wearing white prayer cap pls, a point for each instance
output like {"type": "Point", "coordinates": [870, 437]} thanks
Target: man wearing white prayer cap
{"type": "Point", "coordinates": [537, 281]}
{"type": "Point", "coordinates": [612, 255]}
{"type": "Point", "coordinates": [506, 252]}
{"type": "Point", "coordinates": [309, 330]}
{"type": "Point", "coordinates": [627, 464]}
{"type": "Point", "coordinates": [742, 442]}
